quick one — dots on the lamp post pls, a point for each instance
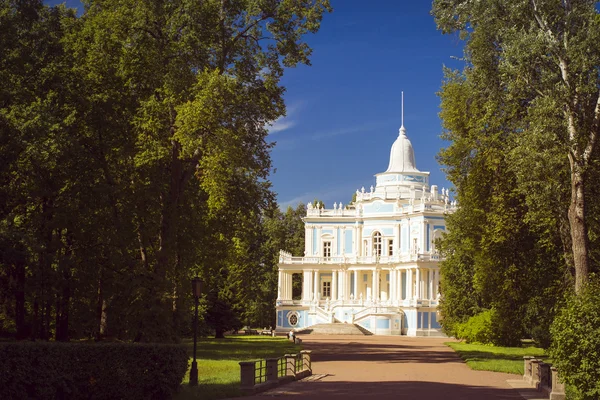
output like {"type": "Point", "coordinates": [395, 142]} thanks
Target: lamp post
{"type": "Point", "coordinates": [196, 291]}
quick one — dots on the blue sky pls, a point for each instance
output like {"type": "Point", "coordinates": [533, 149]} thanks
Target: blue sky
{"type": "Point", "coordinates": [344, 111]}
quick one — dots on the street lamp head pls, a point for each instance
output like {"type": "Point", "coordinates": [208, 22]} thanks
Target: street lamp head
{"type": "Point", "coordinates": [197, 287]}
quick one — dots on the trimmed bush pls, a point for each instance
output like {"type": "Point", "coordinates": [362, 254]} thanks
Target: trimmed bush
{"type": "Point", "coordinates": [477, 329]}
{"type": "Point", "coordinates": [31, 370]}
{"type": "Point", "coordinates": [575, 349]}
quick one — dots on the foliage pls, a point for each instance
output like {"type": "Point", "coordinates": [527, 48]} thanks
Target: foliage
{"type": "Point", "coordinates": [477, 329]}
{"type": "Point", "coordinates": [523, 105]}
{"type": "Point", "coordinates": [541, 61]}
{"type": "Point", "coordinates": [575, 349]}
{"type": "Point", "coordinates": [495, 358]}
{"type": "Point", "coordinates": [135, 156]}
{"type": "Point", "coordinates": [95, 371]}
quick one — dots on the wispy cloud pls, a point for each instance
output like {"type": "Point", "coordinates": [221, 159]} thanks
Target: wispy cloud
{"type": "Point", "coordinates": [290, 143]}
{"type": "Point", "coordinates": [281, 124]}
{"type": "Point", "coordinates": [346, 130]}
{"type": "Point", "coordinates": [284, 123]}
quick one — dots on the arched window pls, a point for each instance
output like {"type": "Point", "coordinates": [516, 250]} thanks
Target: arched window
{"type": "Point", "coordinates": [377, 242]}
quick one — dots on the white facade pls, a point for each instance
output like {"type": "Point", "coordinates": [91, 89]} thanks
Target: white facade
{"type": "Point", "coordinates": [373, 264]}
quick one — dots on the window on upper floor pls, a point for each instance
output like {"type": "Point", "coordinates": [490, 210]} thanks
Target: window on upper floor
{"type": "Point", "coordinates": [377, 242]}
{"type": "Point", "coordinates": [391, 247]}
{"type": "Point", "coordinates": [327, 249]}
{"type": "Point", "coordinates": [415, 246]}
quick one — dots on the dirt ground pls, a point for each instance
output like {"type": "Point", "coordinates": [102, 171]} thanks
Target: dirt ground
{"type": "Point", "coordinates": [392, 367]}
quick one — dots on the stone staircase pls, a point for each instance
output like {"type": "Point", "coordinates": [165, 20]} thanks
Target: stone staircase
{"type": "Point", "coordinates": [334, 329]}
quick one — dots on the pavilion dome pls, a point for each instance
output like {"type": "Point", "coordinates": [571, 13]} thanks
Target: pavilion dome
{"type": "Point", "coordinates": [402, 155]}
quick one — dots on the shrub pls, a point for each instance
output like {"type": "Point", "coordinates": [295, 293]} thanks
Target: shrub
{"type": "Point", "coordinates": [575, 348]}
{"type": "Point", "coordinates": [90, 371]}
{"type": "Point", "coordinates": [477, 329]}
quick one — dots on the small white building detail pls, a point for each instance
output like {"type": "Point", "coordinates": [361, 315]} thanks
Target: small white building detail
{"type": "Point", "coordinates": [374, 263]}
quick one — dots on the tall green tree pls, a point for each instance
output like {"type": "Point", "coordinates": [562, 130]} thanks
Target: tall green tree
{"type": "Point", "coordinates": [137, 157]}
{"type": "Point", "coordinates": [547, 55]}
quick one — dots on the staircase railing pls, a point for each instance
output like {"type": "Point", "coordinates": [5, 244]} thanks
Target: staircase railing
{"type": "Point", "coordinates": [373, 310]}
{"type": "Point", "coordinates": [323, 314]}
{"type": "Point", "coordinates": [362, 314]}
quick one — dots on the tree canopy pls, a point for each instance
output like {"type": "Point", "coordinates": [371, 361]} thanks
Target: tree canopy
{"type": "Point", "coordinates": [522, 119]}
{"type": "Point", "coordinates": [137, 157]}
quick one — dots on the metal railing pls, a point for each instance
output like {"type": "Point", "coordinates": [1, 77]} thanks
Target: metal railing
{"type": "Point", "coordinates": [272, 371]}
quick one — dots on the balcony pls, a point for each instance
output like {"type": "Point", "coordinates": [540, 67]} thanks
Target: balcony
{"type": "Point", "coordinates": [287, 258]}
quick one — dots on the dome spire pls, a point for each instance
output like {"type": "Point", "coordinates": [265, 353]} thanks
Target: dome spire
{"type": "Point", "coordinates": [402, 130]}
{"type": "Point", "coordinates": [402, 155]}
{"type": "Point", "coordinates": [402, 113]}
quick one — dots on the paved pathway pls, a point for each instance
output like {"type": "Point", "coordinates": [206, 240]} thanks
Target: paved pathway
{"type": "Point", "coordinates": [392, 367]}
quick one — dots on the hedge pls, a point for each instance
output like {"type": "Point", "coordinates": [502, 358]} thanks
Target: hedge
{"type": "Point", "coordinates": [35, 370]}
{"type": "Point", "coordinates": [575, 349]}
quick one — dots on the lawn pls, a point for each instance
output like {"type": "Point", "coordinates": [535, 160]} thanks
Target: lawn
{"type": "Point", "coordinates": [494, 358]}
{"type": "Point", "coordinates": [218, 363]}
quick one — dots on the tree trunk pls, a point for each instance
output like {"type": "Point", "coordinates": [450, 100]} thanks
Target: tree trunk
{"type": "Point", "coordinates": [62, 311]}
{"type": "Point", "coordinates": [577, 213]}
{"type": "Point", "coordinates": [20, 313]}
{"type": "Point", "coordinates": [100, 311]}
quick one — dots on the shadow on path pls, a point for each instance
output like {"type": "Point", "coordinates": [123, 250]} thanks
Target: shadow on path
{"type": "Point", "coordinates": [372, 352]}
{"type": "Point", "coordinates": [389, 390]}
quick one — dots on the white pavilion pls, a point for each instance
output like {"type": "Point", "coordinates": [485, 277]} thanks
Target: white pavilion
{"type": "Point", "coordinates": [374, 263]}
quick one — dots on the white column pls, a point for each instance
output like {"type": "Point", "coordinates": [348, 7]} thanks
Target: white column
{"type": "Point", "coordinates": [409, 284]}
{"type": "Point", "coordinates": [316, 286]}
{"type": "Point", "coordinates": [396, 239]}
{"type": "Point", "coordinates": [304, 285]}
{"type": "Point", "coordinates": [279, 285]}
{"type": "Point", "coordinates": [431, 275]}
{"type": "Point", "coordinates": [308, 251]}
{"type": "Point", "coordinates": [418, 283]}
{"type": "Point", "coordinates": [391, 294]}
{"type": "Point", "coordinates": [355, 284]}
{"type": "Point", "coordinates": [436, 283]}
{"type": "Point", "coordinates": [319, 243]}
{"type": "Point", "coordinates": [400, 285]}
{"type": "Point", "coordinates": [334, 285]}
{"type": "Point", "coordinates": [309, 286]}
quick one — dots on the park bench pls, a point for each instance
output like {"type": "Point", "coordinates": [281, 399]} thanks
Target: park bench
{"type": "Point", "coordinates": [250, 332]}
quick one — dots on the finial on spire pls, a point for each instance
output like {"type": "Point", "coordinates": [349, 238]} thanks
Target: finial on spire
{"type": "Point", "coordinates": [402, 115]}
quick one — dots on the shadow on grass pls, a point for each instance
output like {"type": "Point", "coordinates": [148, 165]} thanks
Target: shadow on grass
{"type": "Point", "coordinates": [241, 348]}
{"type": "Point", "coordinates": [497, 359]}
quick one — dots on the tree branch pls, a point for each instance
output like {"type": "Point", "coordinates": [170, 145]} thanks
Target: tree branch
{"type": "Point", "coordinates": [594, 132]}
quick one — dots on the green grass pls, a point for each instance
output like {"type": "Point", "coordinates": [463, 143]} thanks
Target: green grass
{"type": "Point", "coordinates": [493, 358]}
{"type": "Point", "coordinates": [218, 363]}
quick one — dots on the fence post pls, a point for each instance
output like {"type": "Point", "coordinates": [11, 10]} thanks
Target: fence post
{"type": "Point", "coordinates": [535, 373]}
{"type": "Point", "coordinates": [247, 374]}
{"type": "Point", "coordinates": [272, 369]}
{"type": "Point", "coordinates": [558, 388]}
{"type": "Point", "coordinates": [545, 377]}
{"type": "Point", "coordinates": [527, 367]}
{"type": "Point", "coordinates": [306, 361]}
{"type": "Point", "coordinates": [290, 361]}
